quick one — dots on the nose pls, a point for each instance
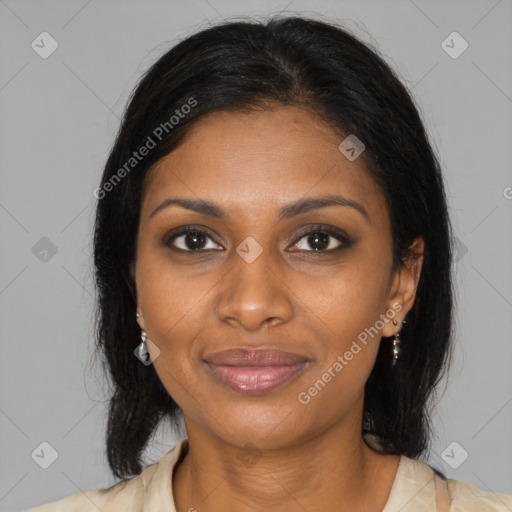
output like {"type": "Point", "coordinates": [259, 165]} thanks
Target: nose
{"type": "Point", "coordinates": [255, 294]}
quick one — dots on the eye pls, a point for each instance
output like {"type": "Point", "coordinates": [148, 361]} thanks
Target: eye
{"type": "Point", "coordinates": [190, 239]}
{"type": "Point", "coordinates": [323, 239]}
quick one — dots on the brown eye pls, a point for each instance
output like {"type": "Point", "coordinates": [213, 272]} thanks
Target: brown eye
{"type": "Point", "coordinates": [323, 240]}
{"type": "Point", "coordinates": [190, 240]}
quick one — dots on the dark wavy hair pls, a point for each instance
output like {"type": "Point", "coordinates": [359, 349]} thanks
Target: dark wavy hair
{"type": "Point", "coordinates": [239, 65]}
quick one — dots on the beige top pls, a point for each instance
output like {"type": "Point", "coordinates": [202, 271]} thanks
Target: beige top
{"type": "Point", "coordinates": [416, 488]}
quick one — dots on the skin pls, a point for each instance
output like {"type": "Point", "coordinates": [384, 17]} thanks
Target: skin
{"type": "Point", "coordinates": [315, 305]}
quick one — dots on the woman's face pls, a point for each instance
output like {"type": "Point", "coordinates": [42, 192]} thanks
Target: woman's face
{"type": "Point", "coordinates": [253, 278]}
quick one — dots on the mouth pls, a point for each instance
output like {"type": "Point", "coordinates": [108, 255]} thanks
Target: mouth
{"type": "Point", "coordinates": [255, 371]}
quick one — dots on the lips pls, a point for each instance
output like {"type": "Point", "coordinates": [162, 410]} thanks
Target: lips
{"type": "Point", "coordinates": [255, 371]}
{"type": "Point", "coordinates": [256, 357]}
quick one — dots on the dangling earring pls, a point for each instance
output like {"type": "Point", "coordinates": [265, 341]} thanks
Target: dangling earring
{"type": "Point", "coordinates": [144, 355]}
{"type": "Point", "coordinates": [396, 343]}
{"type": "Point", "coordinates": [142, 351]}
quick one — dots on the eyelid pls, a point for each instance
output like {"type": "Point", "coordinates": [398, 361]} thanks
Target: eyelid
{"type": "Point", "coordinates": [331, 231]}
{"type": "Point", "coordinates": [172, 235]}
{"type": "Point", "coordinates": [339, 234]}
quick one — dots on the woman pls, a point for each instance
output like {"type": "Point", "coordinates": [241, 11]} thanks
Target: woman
{"type": "Point", "coordinates": [272, 254]}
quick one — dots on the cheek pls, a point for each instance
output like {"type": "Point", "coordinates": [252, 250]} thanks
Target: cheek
{"type": "Point", "coordinates": [173, 298]}
{"type": "Point", "coordinates": [346, 306]}
{"type": "Point", "coordinates": [347, 299]}
{"type": "Point", "coordinates": [176, 306]}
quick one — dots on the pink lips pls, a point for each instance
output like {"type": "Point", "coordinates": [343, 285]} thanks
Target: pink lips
{"type": "Point", "coordinates": [255, 371]}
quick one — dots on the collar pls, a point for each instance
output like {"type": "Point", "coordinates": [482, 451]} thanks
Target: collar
{"type": "Point", "coordinates": [413, 488]}
{"type": "Point", "coordinates": [158, 496]}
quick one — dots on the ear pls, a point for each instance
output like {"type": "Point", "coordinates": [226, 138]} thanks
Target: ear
{"type": "Point", "coordinates": [404, 286]}
{"type": "Point", "coordinates": [131, 282]}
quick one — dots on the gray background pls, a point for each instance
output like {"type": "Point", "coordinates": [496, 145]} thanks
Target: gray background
{"type": "Point", "coordinates": [59, 117]}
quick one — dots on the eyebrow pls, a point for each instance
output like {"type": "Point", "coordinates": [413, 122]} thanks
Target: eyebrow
{"type": "Point", "coordinates": [287, 212]}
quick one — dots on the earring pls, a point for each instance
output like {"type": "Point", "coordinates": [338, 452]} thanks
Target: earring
{"type": "Point", "coordinates": [397, 349]}
{"type": "Point", "coordinates": [143, 348]}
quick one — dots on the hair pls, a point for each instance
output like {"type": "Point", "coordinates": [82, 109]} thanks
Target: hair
{"type": "Point", "coordinates": [240, 66]}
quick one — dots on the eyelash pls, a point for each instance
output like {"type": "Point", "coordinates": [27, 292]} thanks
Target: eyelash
{"type": "Point", "coordinates": [337, 234]}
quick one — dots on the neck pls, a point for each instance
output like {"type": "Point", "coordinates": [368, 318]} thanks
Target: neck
{"type": "Point", "coordinates": [335, 469]}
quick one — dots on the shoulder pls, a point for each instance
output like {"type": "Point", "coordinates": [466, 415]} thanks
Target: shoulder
{"type": "Point", "coordinates": [468, 497]}
{"type": "Point", "coordinates": [150, 489]}
{"type": "Point", "coordinates": [418, 487]}
{"type": "Point", "coordinates": [127, 494]}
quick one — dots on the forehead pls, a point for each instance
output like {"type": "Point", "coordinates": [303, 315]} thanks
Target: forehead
{"type": "Point", "coordinates": [258, 159]}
